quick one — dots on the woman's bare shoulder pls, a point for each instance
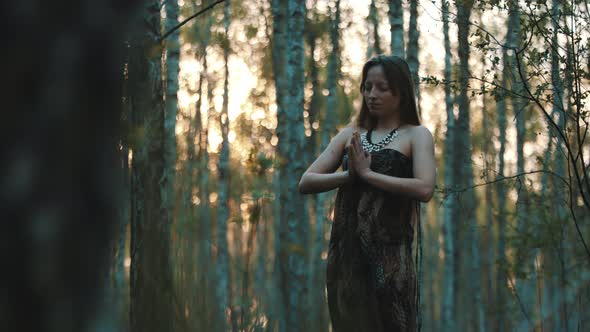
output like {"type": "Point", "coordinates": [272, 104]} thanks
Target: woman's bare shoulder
{"type": "Point", "coordinates": [419, 130]}
{"type": "Point", "coordinates": [346, 132]}
{"type": "Point", "coordinates": [420, 133]}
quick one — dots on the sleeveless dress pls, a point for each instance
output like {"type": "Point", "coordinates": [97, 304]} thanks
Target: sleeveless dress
{"type": "Point", "coordinates": [370, 276]}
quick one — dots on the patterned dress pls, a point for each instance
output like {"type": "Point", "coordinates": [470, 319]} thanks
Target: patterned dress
{"type": "Point", "coordinates": [370, 277]}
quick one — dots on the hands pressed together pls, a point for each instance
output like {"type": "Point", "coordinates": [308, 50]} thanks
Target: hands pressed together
{"type": "Point", "coordinates": [359, 160]}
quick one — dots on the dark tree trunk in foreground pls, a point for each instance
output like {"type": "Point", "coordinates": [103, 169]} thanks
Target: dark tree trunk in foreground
{"type": "Point", "coordinates": [60, 170]}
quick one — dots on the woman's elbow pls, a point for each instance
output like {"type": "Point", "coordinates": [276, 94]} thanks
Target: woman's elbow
{"type": "Point", "coordinates": [426, 194]}
{"type": "Point", "coordinates": [303, 188]}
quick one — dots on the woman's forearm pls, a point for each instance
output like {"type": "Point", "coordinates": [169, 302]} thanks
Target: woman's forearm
{"type": "Point", "coordinates": [411, 187]}
{"type": "Point", "coordinates": [312, 183]}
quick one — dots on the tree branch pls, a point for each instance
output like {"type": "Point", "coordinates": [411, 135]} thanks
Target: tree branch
{"type": "Point", "coordinates": [169, 32]}
{"type": "Point", "coordinates": [447, 191]}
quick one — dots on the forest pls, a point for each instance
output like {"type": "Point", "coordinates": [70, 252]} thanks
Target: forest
{"type": "Point", "coordinates": [153, 151]}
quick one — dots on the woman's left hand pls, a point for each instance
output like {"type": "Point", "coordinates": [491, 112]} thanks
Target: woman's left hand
{"type": "Point", "coordinates": [360, 159]}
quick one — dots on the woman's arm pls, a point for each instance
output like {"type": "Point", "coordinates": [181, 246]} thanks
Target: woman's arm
{"type": "Point", "coordinates": [421, 186]}
{"type": "Point", "coordinates": [312, 182]}
{"type": "Point", "coordinates": [320, 176]}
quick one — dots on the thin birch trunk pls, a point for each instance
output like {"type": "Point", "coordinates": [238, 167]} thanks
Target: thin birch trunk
{"type": "Point", "coordinates": [205, 192]}
{"type": "Point", "coordinates": [171, 110]}
{"type": "Point", "coordinates": [374, 21]}
{"type": "Point", "coordinates": [279, 45]}
{"type": "Point", "coordinates": [172, 69]}
{"type": "Point", "coordinates": [561, 200]}
{"type": "Point", "coordinates": [463, 145]}
{"type": "Point", "coordinates": [501, 281]}
{"type": "Point", "coordinates": [488, 237]}
{"type": "Point", "coordinates": [413, 49]}
{"type": "Point", "coordinates": [558, 108]}
{"type": "Point", "coordinates": [316, 301]}
{"type": "Point", "coordinates": [223, 285]}
{"type": "Point", "coordinates": [327, 129]}
{"type": "Point", "coordinates": [204, 215]}
{"type": "Point", "coordinates": [396, 21]}
{"type": "Point", "coordinates": [448, 293]}
{"type": "Point", "coordinates": [313, 112]}
{"type": "Point", "coordinates": [524, 287]}
{"type": "Point", "coordinates": [316, 94]}
{"type": "Point", "coordinates": [194, 133]}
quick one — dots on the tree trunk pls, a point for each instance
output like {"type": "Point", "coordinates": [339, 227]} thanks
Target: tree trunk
{"type": "Point", "coordinates": [525, 267]}
{"type": "Point", "coordinates": [556, 299]}
{"type": "Point", "coordinates": [61, 182]}
{"type": "Point", "coordinates": [190, 216]}
{"type": "Point", "coordinates": [450, 203]}
{"type": "Point", "coordinates": [488, 234]}
{"type": "Point", "coordinates": [222, 263]}
{"type": "Point", "coordinates": [501, 277]}
{"type": "Point", "coordinates": [294, 242]}
{"type": "Point", "coordinates": [279, 44]}
{"type": "Point", "coordinates": [374, 20]}
{"type": "Point", "coordinates": [315, 286]}
{"type": "Point", "coordinates": [396, 21]}
{"type": "Point", "coordinates": [313, 110]}
{"type": "Point", "coordinates": [463, 156]}
{"type": "Point", "coordinates": [152, 305]}
{"type": "Point", "coordinates": [172, 69]}
{"type": "Point", "coordinates": [561, 200]}
{"type": "Point", "coordinates": [412, 49]}
{"type": "Point", "coordinates": [204, 211]}
{"type": "Point", "coordinates": [327, 129]}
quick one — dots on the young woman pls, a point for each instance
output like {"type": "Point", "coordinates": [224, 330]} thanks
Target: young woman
{"type": "Point", "coordinates": [388, 166]}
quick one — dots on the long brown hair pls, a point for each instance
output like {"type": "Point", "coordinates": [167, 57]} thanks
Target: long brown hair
{"type": "Point", "coordinates": [397, 73]}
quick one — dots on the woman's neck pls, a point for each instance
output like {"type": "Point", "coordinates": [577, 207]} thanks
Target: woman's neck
{"type": "Point", "coordinates": [387, 124]}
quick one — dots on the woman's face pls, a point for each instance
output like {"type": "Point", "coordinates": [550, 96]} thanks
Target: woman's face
{"type": "Point", "coordinates": [378, 96]}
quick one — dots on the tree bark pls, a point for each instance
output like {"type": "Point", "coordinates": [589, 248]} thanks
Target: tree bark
{"type": "Point", "coordinates": [327, 131]}
{"type": "Point", "coordinates": [61, 180]}
{"type": "Point", "coordinates": [172, 69]}
{"type": "Point", "coordinates": [152, 301]}
{"type": "Point", "coordinates": [413, 49]}
{"type": "Point", "coordinates": [463, 157]}
{"type": "Point", "coordinates": [294, 244]}
{"type": "Point", "coordinates": [396, 21]}
{"type": "Point", "coordinates": [223, 286]}
{"type": "Point", "coordinates": [374, 21]}
{"type": "Point", "coordinates": [279, 45]}
{"type": "Point", "coordinates": [450, 203]}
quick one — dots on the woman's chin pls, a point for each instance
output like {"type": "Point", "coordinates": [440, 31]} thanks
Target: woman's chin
{"type": "Point", "coordinates": [375, 112]}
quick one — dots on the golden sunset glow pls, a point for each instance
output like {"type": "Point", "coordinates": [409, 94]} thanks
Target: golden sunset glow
{"type": "Point", "coordinates": [354, 36]}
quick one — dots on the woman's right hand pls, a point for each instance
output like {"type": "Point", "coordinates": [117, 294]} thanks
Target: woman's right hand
{"type": "Point", "coordinates": [352, 177]}
{"type": "Point", "coordinates": [321, 175]}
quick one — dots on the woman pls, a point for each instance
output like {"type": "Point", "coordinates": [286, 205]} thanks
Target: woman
{"type": "Point", "coordinates": [388, 166]}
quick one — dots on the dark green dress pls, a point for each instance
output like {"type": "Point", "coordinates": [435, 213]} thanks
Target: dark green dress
{"type": "Point", "coordinates": [371, 277]}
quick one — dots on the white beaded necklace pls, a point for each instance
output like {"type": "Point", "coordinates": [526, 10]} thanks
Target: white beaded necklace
{"type": "Point", "coordinates": [371, 147]}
